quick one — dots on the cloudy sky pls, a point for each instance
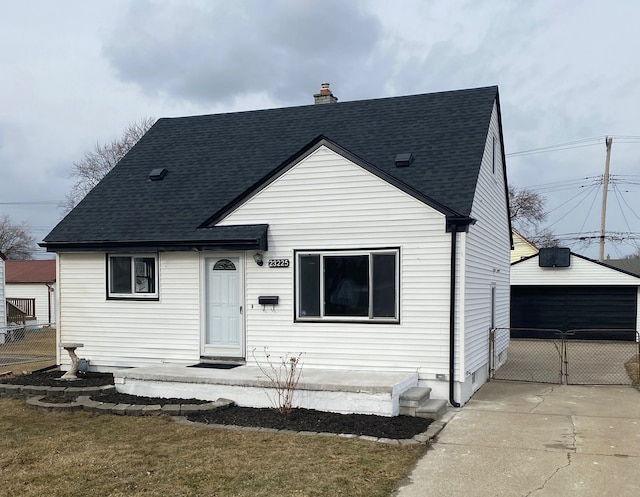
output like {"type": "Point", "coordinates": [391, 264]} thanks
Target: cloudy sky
{"type": "Point", "coordinates": [76, 72]}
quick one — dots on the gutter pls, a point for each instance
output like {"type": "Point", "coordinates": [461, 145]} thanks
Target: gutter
{"type": "Point", "coordinates": [453, 226]}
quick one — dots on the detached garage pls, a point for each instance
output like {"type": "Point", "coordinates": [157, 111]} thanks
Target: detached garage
{"type": "Point", "coordinates": [558, 289]}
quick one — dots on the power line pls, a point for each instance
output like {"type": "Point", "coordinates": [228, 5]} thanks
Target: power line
{"type": "Point", "coordinates": [586, 142]}
{"type": "Point", "coordinates": [547, 149]}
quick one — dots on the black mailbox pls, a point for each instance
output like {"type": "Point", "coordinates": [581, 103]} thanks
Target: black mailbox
{"type": "Point", "coordinates": [268, 300]}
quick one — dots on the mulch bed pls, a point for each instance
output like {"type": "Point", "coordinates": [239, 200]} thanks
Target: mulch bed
{"type": "Point", "coordinates": [51, 379]}
{"type": "Point", "coordinates": [317, 421]}
{"type": "Point", "coordinates": [397, 427]}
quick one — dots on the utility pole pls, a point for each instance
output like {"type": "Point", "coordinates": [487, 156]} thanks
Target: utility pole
{"type": "Point", "coordinates": [605, 188]}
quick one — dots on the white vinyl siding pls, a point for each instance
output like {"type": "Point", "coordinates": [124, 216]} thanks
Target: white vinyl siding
{"type": "Point", "coordinates": [487, 256]}
{"type": "Point", "coordinates": [579, 272]}
{"type": "Point", "coordinates": [326, 202]}
{"type": "Point", "coordinates": [122, 333]}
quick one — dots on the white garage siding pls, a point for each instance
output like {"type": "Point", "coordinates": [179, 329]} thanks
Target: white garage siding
{"type": "Point", "coordinates": [124, 333]}
{"type": "Point", "coordinates": [327, 202]}
{"type": "Point", "coordinates": [581, 272]}
{"type": "Point", "coordinates": [487, 258]}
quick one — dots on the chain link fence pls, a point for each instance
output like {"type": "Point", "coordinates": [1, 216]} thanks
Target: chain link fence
{"type": "Point", "coordinates": [28, 347]}
{"type": "Point", "coordinates": [574, 357]}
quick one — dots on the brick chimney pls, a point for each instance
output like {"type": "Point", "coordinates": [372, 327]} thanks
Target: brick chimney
{"type": "Point", "coordinates": [325, 96]}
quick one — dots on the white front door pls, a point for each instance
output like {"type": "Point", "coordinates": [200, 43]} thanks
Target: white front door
{"type": "Point", "coordinates": [223, 330]}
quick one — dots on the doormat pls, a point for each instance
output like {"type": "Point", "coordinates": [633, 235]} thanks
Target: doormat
{"type": "Point", "coordinates": [214, 366]}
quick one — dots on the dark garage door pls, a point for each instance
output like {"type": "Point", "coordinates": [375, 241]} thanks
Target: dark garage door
{"type": "Point", "coordinates": [574, 307]}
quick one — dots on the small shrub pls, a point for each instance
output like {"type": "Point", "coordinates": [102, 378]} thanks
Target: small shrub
{"type": "Point", "coordinates": [284, 377]}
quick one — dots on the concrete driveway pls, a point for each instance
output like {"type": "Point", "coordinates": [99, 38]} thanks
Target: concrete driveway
{"type": "Point", "coordinates": [531, 439]}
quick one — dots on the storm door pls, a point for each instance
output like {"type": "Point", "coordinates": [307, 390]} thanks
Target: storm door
{"type": "Point", "coordinates": [224, 329]}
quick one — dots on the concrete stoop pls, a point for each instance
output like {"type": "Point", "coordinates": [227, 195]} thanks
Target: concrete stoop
{"type": "Point", "coordinates": [417, 402]}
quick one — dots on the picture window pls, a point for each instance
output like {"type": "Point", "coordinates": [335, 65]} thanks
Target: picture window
{"type": "Point", "coordinates": [358, 285]}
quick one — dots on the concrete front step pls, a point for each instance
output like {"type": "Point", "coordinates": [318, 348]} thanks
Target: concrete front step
{"type": "Point", "coordinates": [416, 402]}
{"type": "Point", "coordinates": [414, 396]}
{"type": "Point", "coordinates": [432, 409]}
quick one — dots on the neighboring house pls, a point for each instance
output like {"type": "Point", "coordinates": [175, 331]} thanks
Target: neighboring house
{"type": "Point", "coordinates": [522, 248]}
{"type": "Point", "coordinates": [370, 235]}
{"type": "Point", "coordinates": [578, 293]}
{"type": "Point", "coordinates": [32, 284]}
{"type": "Point", "coordinates": [3, 305]}
{"type": "Point", "coordinates": [629, 265]}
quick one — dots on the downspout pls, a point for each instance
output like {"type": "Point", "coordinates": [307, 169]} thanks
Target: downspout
{"type": "Point", "coordinates": [49, 291]}
{"type": "Point", "coordinates": [452, 314]}
{"type": "Point", "coordinates": [453, 225]}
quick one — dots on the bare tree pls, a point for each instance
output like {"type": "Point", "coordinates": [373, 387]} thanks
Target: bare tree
{"type": "Point", "coordinates": [98, 162]}
{"type": "Point", "coordinates": [527, 213]}
{"type": "Point", "coordinates": [16, 241]}
{"type": "Point", "coordinates": [634, 255]}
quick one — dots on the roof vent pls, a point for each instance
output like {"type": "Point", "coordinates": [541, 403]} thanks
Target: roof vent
{"type": "Point", "coordinates": [325, 96]}
{"type": "Point", "coordinates": [554, 257]}
{"type": "Point", "coordinates": [404, 160]}
{"type": "Point", "coordinates": [158, 174]}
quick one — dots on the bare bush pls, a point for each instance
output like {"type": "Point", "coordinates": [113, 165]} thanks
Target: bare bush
{"type": "Point", "coordinates": [284, 377]}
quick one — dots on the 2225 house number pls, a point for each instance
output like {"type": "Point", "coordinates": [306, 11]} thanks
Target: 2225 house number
{"type": "Point", "coordinates": [278, 262]}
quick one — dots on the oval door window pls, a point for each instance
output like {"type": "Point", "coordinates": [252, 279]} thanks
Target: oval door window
{"type": "Point", "coordinates": [224, 265]}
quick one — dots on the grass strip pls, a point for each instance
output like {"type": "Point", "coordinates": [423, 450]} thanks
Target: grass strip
{"type": "Point", "coordinates": [70, 454]}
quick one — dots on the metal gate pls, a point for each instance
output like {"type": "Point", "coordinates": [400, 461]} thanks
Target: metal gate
{"type": "Point", "coordinates": [565, 357]}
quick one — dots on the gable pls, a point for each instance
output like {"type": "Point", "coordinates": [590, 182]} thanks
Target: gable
{"type": "Point", "coordinates": [328, 146]}
{"type": "Point", "coordinates": [326, 188]}
{"type": "Point", "coordinates": [215, 161]}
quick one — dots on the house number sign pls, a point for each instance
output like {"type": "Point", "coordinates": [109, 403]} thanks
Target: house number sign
{"type": "Point", "coordinates": [278, 262]}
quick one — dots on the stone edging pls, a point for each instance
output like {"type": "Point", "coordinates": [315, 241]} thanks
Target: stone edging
{"type": "Point", "coordinates": [84, 402]}
{"type": "Point", "coordinates": [67, 392]}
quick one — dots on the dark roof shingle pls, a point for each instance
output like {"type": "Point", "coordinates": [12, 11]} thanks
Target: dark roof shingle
{"type": "Point", "coordinates": [213, 160]}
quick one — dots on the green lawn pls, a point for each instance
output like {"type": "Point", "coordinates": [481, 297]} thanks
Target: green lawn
{"type": "Point", "coordinates": [73, 454]}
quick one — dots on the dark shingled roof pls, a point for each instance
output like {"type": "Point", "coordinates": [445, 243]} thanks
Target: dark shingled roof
{"type": "Point", "coordinates": [631, 266]}
{"type": "Point", "coordinates": [214, 160]}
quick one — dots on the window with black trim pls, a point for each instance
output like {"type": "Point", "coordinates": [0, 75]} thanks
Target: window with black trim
{"type": "Point", "coordinates": [355, 285]}
{"type": "Point", "coordinates": [132, 276]}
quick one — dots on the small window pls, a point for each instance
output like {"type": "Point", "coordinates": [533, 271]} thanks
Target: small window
{"type": "Point", "coordinates": [224, 265]}
{"type": "Point", "coordinates": [360, 285]}
{"type": "Point", "coordinates": [132, 276]}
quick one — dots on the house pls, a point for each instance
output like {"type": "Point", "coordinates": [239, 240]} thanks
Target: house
{"type": "Point", "coordinates": [559, 289]}
{"type": "Point", "coordinates": [372, 236]}
{"type": "Point", "coordinates": [522, 248]}
{"type": "Point", "coordinates": [629, 265]}
{"type": "Point", "coordinates": [31, 285]}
